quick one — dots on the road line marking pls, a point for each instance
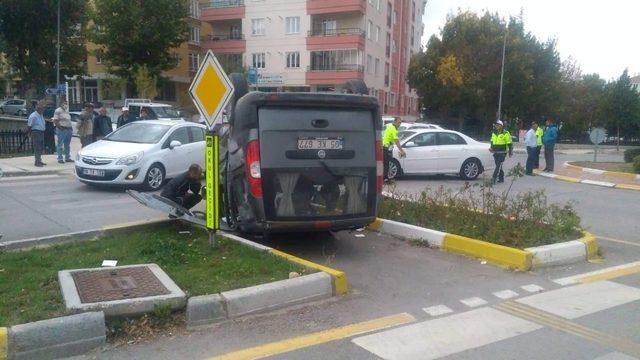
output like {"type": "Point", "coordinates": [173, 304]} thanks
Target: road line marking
{"type": "Point", "coordinates": [617, 240]}
{"type": "Point", "coordinates": [437, 338]}
{"type": "Point", "coordinates": [474, 301]}
{"type": "Point", "coordinates": [584, 299]}
{"type": "Point", "coordinates": [575, 279]}
{"type": "Point", "coordinates": [437, 310]}
{"type": "Point", "coordinates": [532, 288]}
{"type": "Point", "coordinates": [543, 318]}
{"type": "Point", "coordinates": [615, 356]}
{"type": "Point", "coordinates": [612, 274]}
{"type": "Point", "coordinates": [505, 294]}
{"type": "Point", "coordinates": [317, 338]}
{"type": "Point", "coordinates": [33, 183]}
{"type": "Point", "coordinates": [35, 177]}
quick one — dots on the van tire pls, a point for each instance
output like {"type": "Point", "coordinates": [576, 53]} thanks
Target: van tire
{"type": "Point", "coordinates": [356, 87]}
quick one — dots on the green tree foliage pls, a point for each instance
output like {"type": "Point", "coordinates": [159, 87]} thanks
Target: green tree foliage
{"type": "Point", "coordinates": [139, 33]}
{"type": "Point", "coordinates": [622, 106]}
{"type": "Point", "coordinates": [28, 35]}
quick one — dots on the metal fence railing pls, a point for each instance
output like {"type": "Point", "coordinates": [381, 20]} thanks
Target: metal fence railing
{"type": "Point", "coordinates": [223, 3]}
{"type": "Point", "coordinates": [336, 32]}
{"type": "Point", "coordinates": [15, 142]}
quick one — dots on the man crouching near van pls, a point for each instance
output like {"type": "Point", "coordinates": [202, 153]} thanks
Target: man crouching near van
{"type": "Point", "coordinates": [389, 138]}
{"type": "Point", "coordinates": [177, 190]}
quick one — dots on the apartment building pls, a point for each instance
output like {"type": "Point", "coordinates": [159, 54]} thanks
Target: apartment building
{"type": "Point", "coordinates": [317, 45]}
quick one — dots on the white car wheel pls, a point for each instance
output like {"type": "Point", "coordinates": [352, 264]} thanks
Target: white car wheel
{"type": "Point", "coordinates": [155, 177]}
{"type": "Point", "coordinates": [394, 170]}
{"type": "Point", "coordinates": [470, 169]}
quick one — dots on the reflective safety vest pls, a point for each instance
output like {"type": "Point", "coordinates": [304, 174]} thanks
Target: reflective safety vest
{"type": "Point", "coordinates": [500, 142]}
{"type": "Point", "coordinates": [389, 136]}
{"type": "Point", "coordinates": [539, 133]}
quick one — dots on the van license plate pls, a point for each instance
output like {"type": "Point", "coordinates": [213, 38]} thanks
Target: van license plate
{"type": "Point", "coordinates": [92, 172]}
{"type": "Point", "coordinates": [320, 144]}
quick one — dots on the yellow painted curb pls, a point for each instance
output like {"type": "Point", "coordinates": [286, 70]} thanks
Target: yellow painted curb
{"type": "Point", "coordinates": [4, 343]}
{"type": "Point", "coordinates": [340, 282]}
{"type": "Point", "coordinates": [496, 254]}
{"type": "Point", "coordinates": [621, 174]}
{"type": "Point", "coordinates": [567, 178]}
{"type": "Point", "coordinates": [628, 187]}
{"type": "Point", "coordinates": [576, 167]}
{"type": "Point", "coordinates": [375, 226]}
{"type": "Point", "coordinates": [591, 243]}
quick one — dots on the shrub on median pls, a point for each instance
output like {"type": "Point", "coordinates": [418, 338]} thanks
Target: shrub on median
{"type": "Point", "coordinates": [523, 220]}
{"type": "Point", "coordinates": [636, 164]}
{"type": "Point", "coordinates": [630, 154]}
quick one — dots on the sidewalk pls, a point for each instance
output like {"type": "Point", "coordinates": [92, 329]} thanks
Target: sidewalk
{"type": "Point", "coordinates": [24, 165]}
{"type": "Point", "coordinates": [576, 174]}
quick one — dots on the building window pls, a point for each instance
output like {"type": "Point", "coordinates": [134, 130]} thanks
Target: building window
{"type": "Point", "coordinates": [395, 17]}
{"type": "Point", "coordinates": [235, 32]}
{"type": "Point", "coordinates": [194, 62]}
{"type": "Point", "coordinates": [293, 59]}
{"type": "Point", "coordinates": [388, 49]}
{"type": "Point", "coordinates": [369, 29]}
{"type": "Point", "coordinates": [378, 4]}
{"type": "Point", "coordinates": [389, 12]}
{"type": "Point", "coordinates": [369, 64]}
{"type": "Point", "coordinates": [377, 67]}
{"type": "Point", "coordinates": [377, 33]}
{"type": "Point", "coordinates": [413, 30]}
{"type": "Point", "coordinates": [413, 11]}
{"type": "Point", "coordinates": [386, 74]}
{"type": "Point", "coordinates": [337, 60]}
{"type": "Point", "coordinates": [292, 25]}
{"type": "Point", "coordinates": [194, 34]}
{"type": "Point", "coordinates": [257, 27]}
{"type": "Point", "coordinates": [194, 9]}
{"type": "Point", "coordinates": [393, 99]}
{"type": "Point", "coordinates": [393, 46]}
{"type": "Point", "coordinates": [231, 62]}
{"type": "Point", "coordinates": [258, 61]}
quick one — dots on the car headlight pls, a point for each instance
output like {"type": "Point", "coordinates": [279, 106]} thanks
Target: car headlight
{"type": "Point", "coordinates": [130, 159]}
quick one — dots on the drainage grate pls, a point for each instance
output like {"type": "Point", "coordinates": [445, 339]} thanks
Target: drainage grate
{"type": "Point", "coordinates": [117, 284]}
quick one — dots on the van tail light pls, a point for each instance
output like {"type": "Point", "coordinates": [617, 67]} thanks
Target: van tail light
{"type": "Point", "coordinates": [379, 167]}
{"type": "Point", "coordinates": [252, 159]}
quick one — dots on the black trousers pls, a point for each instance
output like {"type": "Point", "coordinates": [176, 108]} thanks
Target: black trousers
{"type": "Point", "coordinates": [189, 200]}
{"type": "Point", "coordinates": [536, 163]}
{"type": "Point", "coordinates": [387, 155]}
{"type": "Point", "coordinates": [532, 153]}
{"type": "Point", "coordinates": [498, 173]}
{"type": "Point", "coordinates": [549, 157]}
{"type": "Point", "coordinates": [37, 138]}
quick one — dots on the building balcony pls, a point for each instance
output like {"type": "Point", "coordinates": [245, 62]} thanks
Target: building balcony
{"type": "Point", "coordinates": [219, 10]}
{"type": "Point", "coordinates": [335, 74]}
{"type": "Point", "coordinates": [347, 38]}
{"type": "Point", "coordinates": [225, 44]}
{"type": "Point", "coordinates": [336, 6]}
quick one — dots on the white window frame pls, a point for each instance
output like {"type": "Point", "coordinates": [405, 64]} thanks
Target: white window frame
{"type": "Point", "coordinates": [377, 33]}
{"type": "Point", "coordinates": [194, 34]}
{"type": "Point", "coordinates": [293, 60]}
{"type": "Point", "coordinates": [259, 60]}
{"type": "Point", "coordinates": [377, 67]}
{"type": "Point", "coordinates": [369, 64]}
{"type": "Point", "coordinates": [194, 62]}
{"type": "Point", "coordinates": [258, 27]}
{"type": "Point", "coordinates": [369, 29]}
{"type": "Point", "coordinates": [194, 9]}
{"type": "Point", "coordinates": [292, 25]}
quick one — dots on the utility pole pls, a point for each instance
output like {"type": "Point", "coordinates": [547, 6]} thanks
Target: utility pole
{"type": "Point", "coordinates": [58, 58]}
{"type": "Point", "coordinates": [504, 49]}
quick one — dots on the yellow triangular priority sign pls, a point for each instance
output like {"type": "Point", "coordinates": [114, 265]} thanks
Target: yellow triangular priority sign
{"type": "Point", "coordinates": [211, 89]}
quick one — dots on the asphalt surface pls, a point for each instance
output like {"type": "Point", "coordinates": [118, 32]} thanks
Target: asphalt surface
{"type": "Point", "coordinates": [388, 277]}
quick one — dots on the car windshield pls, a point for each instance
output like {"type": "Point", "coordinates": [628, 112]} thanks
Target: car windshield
{"type": "Point", "coordinates": [166, 112]}
{"type": "Point", "coordinates": [402, 135]}
{"type": "Point", "coordinates": [139, 132]}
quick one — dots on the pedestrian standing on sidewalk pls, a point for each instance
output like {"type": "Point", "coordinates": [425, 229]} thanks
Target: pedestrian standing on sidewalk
{"type": "Point", "coordinates": [85, 125]}
{"type": "Point", "coordinates": [501, 144]}
{"type": "Point", "coordinates": [101, 125]}
{"type": "Point", "coordinates": [549, 140]}
{"type": "Point", "coordinates": [124, 118]}
{"type": "Point", "coordinates": [62, 121]}
{"type": "Point", "coordinates": [539, 134]}
{"type": "Point", "coordinates": [531, 141]}
{"type": "Point", "coordinates": [37, 126]}
{"type": "Point", "coordinates": [50, 129]}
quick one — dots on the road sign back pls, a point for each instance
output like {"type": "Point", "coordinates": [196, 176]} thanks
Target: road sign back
{"type": "Point", "coordinates": [211, 89]}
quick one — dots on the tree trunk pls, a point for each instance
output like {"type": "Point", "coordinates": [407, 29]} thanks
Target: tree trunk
{"type": "Point", "coordinates": [618, 139]}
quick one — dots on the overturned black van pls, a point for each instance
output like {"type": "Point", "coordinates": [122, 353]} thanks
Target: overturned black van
{"type": "Point", "coordinates": [301, 161]}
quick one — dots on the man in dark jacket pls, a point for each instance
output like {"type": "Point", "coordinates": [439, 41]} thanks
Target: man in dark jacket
{"type": "Point", "coordinates": [177, 190]}
{"type": "Point", "coordinates": [124, 118]}
{"type": "Point", "coordinates": [549, 140]}
{"type": "Point", "coordinates": [101, 125]}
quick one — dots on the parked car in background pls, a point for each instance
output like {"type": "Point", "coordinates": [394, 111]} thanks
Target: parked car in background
{"type": "Point", "coordinates": [142, 153]}
{"type": "Point", "coordinates": [14, 107]}
{"type": "Point", "coordinates": [413, 126]}
{"type": "Point", "coordinates": [437, 151]}
{"type": "Point", "coordinates": [157, 111]}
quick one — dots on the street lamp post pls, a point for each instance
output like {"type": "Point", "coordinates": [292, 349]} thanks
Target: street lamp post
{"type": "Point", "coordinates": [58, 58]}
{"type": "Point", "coordinates": [504, 49]}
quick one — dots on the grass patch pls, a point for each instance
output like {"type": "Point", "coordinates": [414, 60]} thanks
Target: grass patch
{"type": "Point", "coordinates": [607, 166]}
{"type": "Point", "coordinates": [477, 211]}
{"type": "Point", "coordinates": [29, 279]}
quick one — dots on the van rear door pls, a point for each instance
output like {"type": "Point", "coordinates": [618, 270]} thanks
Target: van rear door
{"type": "Point", "coordinates": [317, 163]}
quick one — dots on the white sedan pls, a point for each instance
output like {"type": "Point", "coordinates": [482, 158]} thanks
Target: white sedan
{"type": "Point", "coordinates": [437, 151]}
{"type": "Point", "coordinates": [142, 153]}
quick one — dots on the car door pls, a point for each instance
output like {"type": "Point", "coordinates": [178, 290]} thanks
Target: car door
{"type": "Point", "coordinates": [452, 151]}
{"type": "Point", "coordinates": [197, 145]}
{"type": "Point", "coordinates": [421, 154]}
{"type": "Point", "coordinates": [10, 107]}
{"type": "Point", "coordinates": [176, 160]}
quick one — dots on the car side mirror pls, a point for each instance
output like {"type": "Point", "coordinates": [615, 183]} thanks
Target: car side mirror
{"type": "Point", "coordinates": [174, 144]}
{"type": "Point", "coordinates": [410, 144]}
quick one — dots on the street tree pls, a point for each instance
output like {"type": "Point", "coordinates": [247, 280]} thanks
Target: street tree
{"type": "Point", "coordinates": [139, 34]}
{"type": "Point", "coordinates": [28, 35]}
{"type": "Point", "coordinates": [622, 106]}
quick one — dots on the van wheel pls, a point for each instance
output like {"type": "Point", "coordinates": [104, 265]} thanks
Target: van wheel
{"type": "Point", "coordinates": [470, 169]}
{"type": "Point", "coordinates": [394, 171]}
{"type": "Point", "coordinates": [154, 178]}
{"type": "Point", "coordinates": [356, 87]}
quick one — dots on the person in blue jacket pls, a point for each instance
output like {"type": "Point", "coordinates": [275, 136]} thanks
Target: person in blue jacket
{"type": "Point", "coordinates": [549, 141]}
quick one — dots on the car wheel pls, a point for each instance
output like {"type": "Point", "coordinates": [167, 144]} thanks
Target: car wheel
{"type": "Point", "coordinates": [394, 171]}
{"type": "Point", "coordinates": [470, 169]}
{"type": "Point", "coordinates": [154, 178]}
{"type": "Point", "coordinates": [21, 113]}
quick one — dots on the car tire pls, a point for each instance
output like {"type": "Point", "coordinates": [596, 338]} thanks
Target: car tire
{"type": "Point", "coordinates": [394, 170]}
{"type": "Point", "coordinates": [154, 178]}
{"type": "Point", "coordinates": [20, 113]}
{"type": "Point", "coordinates": [470, 169]}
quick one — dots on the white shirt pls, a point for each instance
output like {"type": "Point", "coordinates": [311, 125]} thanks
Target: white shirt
{"type": "Point", "coordinates": [530, 138]}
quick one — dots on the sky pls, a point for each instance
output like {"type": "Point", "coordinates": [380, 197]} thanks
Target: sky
{"type": "Point", "coordinates": [602, 36]}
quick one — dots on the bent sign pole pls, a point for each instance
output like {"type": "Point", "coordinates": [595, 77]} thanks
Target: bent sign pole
{"type": "Point", "coordinates": [210, 91]}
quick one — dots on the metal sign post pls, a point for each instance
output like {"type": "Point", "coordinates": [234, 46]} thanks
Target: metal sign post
{"type": "Point", "coordinates": [210, 91]}
{"type": "Point", "coordinates": [597, 136]}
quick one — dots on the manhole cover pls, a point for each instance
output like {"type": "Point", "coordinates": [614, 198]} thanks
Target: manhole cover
{"type": "Point", "coordinates": [117, 284]}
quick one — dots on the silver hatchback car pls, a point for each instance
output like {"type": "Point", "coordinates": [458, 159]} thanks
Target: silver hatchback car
{"type": "Point", "coordinates": [14, 107]}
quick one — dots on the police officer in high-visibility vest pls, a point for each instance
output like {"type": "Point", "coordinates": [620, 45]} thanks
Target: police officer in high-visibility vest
{"type": "Point", "coordinates": [389, 138]}
{"type": "Point", "coordinates": [539, 134]}
{"type": "Point", "coordinates": [501, 145]}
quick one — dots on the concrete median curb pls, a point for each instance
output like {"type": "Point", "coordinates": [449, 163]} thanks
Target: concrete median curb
{"type": "Point", "coordinates": [590, 182]}
{"type": "Point", "coordinates": [602, 172]}
{"type": "Point", "coordinates": [54, 338]}
{"type": "Point", "coordinates": [582, 249]}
